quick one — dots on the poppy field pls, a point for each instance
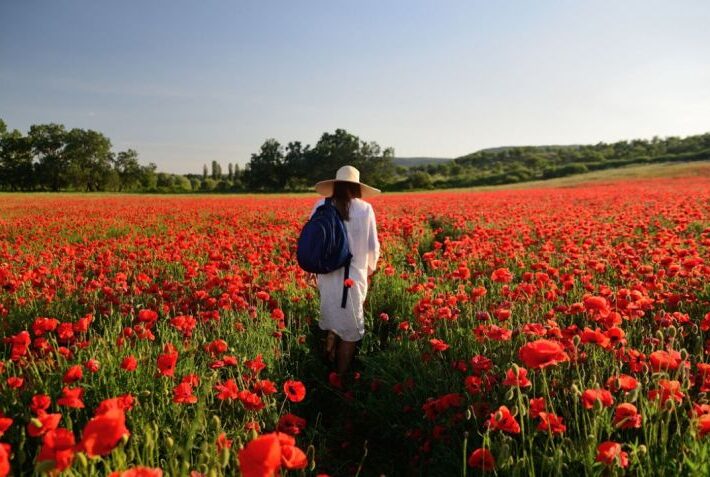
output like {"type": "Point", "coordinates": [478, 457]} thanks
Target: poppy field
{"type": "Point", "coordinates": [530, 332]}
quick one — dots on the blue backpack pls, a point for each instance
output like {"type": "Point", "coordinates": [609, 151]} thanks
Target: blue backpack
{"type": "Point", "coordinates": [323, 244]}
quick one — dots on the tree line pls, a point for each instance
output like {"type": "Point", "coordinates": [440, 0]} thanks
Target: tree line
{"type": "Point", "coordinates": [50, 157]}
{"type": "Point", "coordinates": [506, 165]}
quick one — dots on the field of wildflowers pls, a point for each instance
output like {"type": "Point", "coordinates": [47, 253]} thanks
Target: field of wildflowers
{"type": "Point", "coordinates": [528, 332]}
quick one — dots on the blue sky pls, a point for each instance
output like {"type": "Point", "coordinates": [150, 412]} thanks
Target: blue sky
{"type": "Point", "coordinates": [186, 82]}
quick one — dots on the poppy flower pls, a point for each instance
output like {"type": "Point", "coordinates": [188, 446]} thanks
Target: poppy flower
{"type": "Point", "coordinates": [482, 459]}
{"type": "Point", "coordinates": [537, 405]}
{"type": "Point", "coordinates": [519, 378]}
{"type": "Point", "coordinates": [71, 397]}
{"type": "Point", "coordinates": [542, 353]}
{"type": "Point", "coordinates": [5, 423]}
{"type": "Point", "coordinates": [590, 396]}
{"type": "Point", "coordinates": [222, 442]}
{"type": "Point", "coordinates": [551, 423]}
{"type": "Point", "coordinates": [295, 390]}
{"type": "Point", "coordinates": [664, 360]}
{"type": "Point", "coordinates": [227, 390]}
{"type": "Point", "coordinates": [129, 363]}
{"type": "Point", "coordinates": [667, 389]}
{"type": "Point", "coordinates": [250, 401]}
{"type": "Point", "coordinates": [504, 421]}
{"type": "Point", "coordinates": [138, 472]}
{"type": "Point", "coordinates": [438, 345]}
{"type": "Point", "coordinates": [103, 432]}
{"type": "Point", "coordinates": [266, 454]}
{"type": "Point", "coordinates": [58, 447]}
{"type": "Point", "coordinates": [626, 416]}
{"type": "Point", "coordinates": [5, 453]}
{"type": "Point", "coordinates": [622, 382]}
{"type": "Point", "coordinates": [502, 275]}
{"type": "Point", "coordinates": [124, 402]}
{"type": "Point", "coordinates": [182, 394]}
{"type": "Point", "coordinates": [167, 361]}
{"type": "Point", "coordinates": [704, 425]}
{"type": "Point", "coordinates": [73, 374]}
{"type": "Point", "coordinates": [610, 453]}
{"type": "Point", "coordinates": [43, 423]}
{"type": "Point", "coordinates": [291, 424]}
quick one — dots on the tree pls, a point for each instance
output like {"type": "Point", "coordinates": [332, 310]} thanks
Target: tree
{"type": "Point", "coordinates": [204, 171]}
{"type": "Point", "coordinates": [16, 168]}
{"type": "Point", "coordinates": [88, 154]}
{"type": "Point", "coordinates": [265, 167]}
{"type": "Point", "coordinates": [216, 171]}
{"type": "Point", "coordinates": [47, 142]}
{"type": "Point", "coordinates": [230, 174]}
{"type": "Point", "coordinates": [129, 170]}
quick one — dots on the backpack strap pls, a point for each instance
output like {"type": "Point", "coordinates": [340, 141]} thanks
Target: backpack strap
{"type": "Point", "coordinates": [345, 288]}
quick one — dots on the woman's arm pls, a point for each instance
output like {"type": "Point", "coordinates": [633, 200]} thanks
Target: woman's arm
{"type": "Point", "coordinates": [373, 243]}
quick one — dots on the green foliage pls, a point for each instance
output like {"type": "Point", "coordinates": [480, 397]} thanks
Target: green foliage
{"type": "Point", "coordinates": [519, 164]}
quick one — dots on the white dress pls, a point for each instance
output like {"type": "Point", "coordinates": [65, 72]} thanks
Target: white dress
{"type": "Point", "coordinates": [349, 322]}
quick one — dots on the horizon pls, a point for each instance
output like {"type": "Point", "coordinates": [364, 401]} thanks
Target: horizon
{"type": "Point", "coordinates": [187, 84]}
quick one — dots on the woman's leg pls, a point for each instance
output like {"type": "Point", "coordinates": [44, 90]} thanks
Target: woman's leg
{"type": "Point", "coordinates": [346, 351]}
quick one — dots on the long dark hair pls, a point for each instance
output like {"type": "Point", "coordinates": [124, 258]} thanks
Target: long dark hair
{"type": "Point", "coordinates": [343, 193]}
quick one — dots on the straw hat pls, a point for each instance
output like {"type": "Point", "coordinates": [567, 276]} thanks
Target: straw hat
{"type": "Point", "coordinates": [346, 174]}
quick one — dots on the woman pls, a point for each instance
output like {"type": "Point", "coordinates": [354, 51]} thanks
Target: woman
{"type": "Point", "coordinates": [346, 326]}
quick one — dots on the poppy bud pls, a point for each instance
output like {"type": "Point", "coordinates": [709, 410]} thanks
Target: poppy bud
{"type": "Point", "coordinates": [83, 461]}
{"type": "Point", "coordinates": [169, 442]}
{"type": "Point", "coordinates": [576, 339]}
{"type": "Point", "coordinates": [672, 331]}
{"type": "Point", "coordinates": [216, 421]}
{"type": "Point", "coordinates": [509, 395]}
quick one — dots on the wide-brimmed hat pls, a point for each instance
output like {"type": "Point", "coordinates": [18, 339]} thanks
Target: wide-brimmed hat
{"type": "Point", "coordinates": [346, 174]}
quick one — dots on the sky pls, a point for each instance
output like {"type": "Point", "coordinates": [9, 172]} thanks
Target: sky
{"type": "Point", "coordinates": [188, 82]}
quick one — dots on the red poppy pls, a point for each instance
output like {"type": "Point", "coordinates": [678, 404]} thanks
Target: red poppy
{"type": "Point", "coordinates": [504, 421]}
{"type": "Point", "coordinates": [124, 402]}
{"type": "Point", "coordinates": [43, 423]}
{"type": "Point", "coordinates": [182, 394]}
{"type": "Point", "coordinates": [40, 402]}
{"type": "Point", "coordinates": [5, 453]}
{"type": "Point", "coordinates": [622, 382]}
{"type": "Point", "coordinates": [261, 457]}
{"type": "Point", "coordinates": [295, 390]}
{"type": "Point", "coordinates": [291, 424]}
{"type": "Point", "coordinates": [58, 447]}
{"type": "Point", "coordinates": [222, 442]}
{"type": "Point", "coordinates": [438, 345]}
{"type": "Point", "coordinates": [168, 360]}
{"type": "Point", "coordinates": [73, 374]}
{"type": "Point", "coordinates": [519, 379]}
{"type": "Point", "coordinates": [537, 405]}
{"type": "Point", "coordinates": [626, 416]}
{"type": "Point", "coordinates": [227, 390]}
{"type": "Point", "coordinates": [610, 453]}
{"type": "Point", "coordinates": [590, 396]}
{"type": "Point", "coordinates": [551, 423]}
{"type": "Point", "coordinates": [482, 459]}
{"type": "Point", "coordinates": [664, 360]}
{"type": "Point", "coordinates": [666, 390]}
{"type": "Point", "coordinates": [704, 425]}
{"type": "Point", "coordinates": [502, 275]}
{"type": "Point", "coordinates": [138, 472]}
{"type": "Point", "coordinates": [250, 400]}
{"type": "Point", "coordinates": [542, 353]}
{"type": "Point", "coordinates": [5, 423]}
{"type": "Point", "coordinates": [129, 363]}
{"type": "Point", "coordinates": [103, 432]}
{"type": "Point", "coordinates": [71, 397]}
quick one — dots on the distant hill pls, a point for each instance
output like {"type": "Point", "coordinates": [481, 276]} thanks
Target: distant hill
{"type": "Point", "coordinates": [513, 164]}
{"type": "Point", "coordinates": [419, 161]}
